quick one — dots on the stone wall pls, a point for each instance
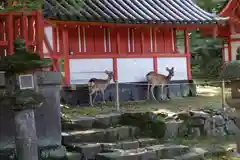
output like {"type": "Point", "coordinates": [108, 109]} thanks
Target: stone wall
{"type": "Point", "coordinates": [204, 122]}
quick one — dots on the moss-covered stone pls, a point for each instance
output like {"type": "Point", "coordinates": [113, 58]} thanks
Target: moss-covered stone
{"type": "Point", "coordinates": [148, 123]}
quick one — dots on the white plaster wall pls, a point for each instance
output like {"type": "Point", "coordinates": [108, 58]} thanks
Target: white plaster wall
{"type": "Point", "coordinates": [179, 64]}
{"type": "Point", "coordinates": [236, 35]}
{"type": "Point", "coordinates": [235, 45]}
{"type": "Point", "coordinates": [226, 54]}
{"type": "Point", "coordinates": [81, 70]}
{"type": "Point", "coordinates": [133, 69]}
{"type": "Point", "coordinates": [48, 33]}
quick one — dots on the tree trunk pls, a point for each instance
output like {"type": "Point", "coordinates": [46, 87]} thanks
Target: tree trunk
{"type": "Point", "coordinates": [26, 138]}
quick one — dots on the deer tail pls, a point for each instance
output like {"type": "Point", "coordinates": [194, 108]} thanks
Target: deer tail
{"type": "Point", "coordinates": [147, 76]}
{"type": "Point", "coordinates": [91, 83]}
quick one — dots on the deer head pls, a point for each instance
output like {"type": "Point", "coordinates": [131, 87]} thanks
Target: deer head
{"type": "Point", "coordinates": [170, 72]}
{"type": "Point", "coordinates": [110, 74]}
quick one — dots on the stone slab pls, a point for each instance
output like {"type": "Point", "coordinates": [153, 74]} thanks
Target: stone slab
{"type": "Point", "coordinates": [100, 135]}
{"type": "Point", "coordinates": [168, 150]}
{"type": "Point", "coordinates": [146, 142]}
{"type": "Point", "coordinates": [190, 156]}
{"type": "Point", "coordinates": [73, 156]}
{"type": "Point", "coordinates": [83, 122]}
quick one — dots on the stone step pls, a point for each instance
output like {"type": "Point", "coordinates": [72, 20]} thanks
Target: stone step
{"type": "Point", "coordinates": [101, 135]}
{"type": "Point", "coordinates": [87, 122]}
{"type": "Point", "coordinates": [73, 156]}
{"type": "Point", "coordinates": [190, 156]}
{"type": "Point", "coordinates": [94, 148]}
{"type": "Point", "coordinates": [149, 153]}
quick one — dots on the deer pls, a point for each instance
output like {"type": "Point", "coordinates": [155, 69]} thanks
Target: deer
{"type": "Point", "coordinates": [154, 78]}
{"type": "Point", "coordinates": [99, 85]}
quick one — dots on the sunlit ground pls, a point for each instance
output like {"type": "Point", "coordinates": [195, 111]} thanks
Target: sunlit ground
{"type": "Point", "coordinates": [207, 97]}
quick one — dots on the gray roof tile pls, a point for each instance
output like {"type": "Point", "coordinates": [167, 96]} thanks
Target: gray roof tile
{"type": "Point", "coordinates": [128, 11]}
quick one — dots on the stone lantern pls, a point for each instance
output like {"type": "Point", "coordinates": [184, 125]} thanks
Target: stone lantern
{"type": "Point", "coordinates": [2, 79]}
{"type": "Point", "coordinates": [231, 73]}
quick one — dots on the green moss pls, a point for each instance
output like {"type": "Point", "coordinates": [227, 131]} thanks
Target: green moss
{"type": "Point", "coordinates": [148, 123]}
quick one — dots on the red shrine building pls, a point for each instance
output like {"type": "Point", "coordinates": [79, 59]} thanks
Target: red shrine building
{"type": "Point", "coordinates": [231, 32]}
{"type": "Point", "coordinates": [128, 37]}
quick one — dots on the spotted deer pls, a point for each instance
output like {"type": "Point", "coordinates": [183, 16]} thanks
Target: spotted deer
{"type": "Point", "coordinates": [99, 85]}
{"type": "Point", "coordinates": [154, 78]}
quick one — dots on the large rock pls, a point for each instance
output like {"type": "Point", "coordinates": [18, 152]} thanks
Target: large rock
{"type": "Point", "coordinates": [207, 122]}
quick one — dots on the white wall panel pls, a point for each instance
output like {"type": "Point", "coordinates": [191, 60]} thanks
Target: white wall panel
{"type": "Point", "coordinates": [179, 64]}
{"type": "Point", "coordinates": [133, 69]}
{"type": "Point", "coordinates": [81, 70]}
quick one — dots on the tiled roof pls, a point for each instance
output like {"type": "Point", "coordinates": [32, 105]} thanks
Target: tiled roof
{"type": "Point", "coordinates": [128, 11]}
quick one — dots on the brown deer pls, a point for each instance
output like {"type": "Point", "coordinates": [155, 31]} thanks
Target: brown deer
{"type": "Point", "coordinates": [99, 85]}
{"type": "Point", "coordinates": [154, 78]}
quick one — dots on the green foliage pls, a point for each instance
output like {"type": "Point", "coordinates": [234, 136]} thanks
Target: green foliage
{"type": "Point", "coordinates": [231, 70]}
{"type": "Point", "coordinates": [20, 62]}
{"type": "Point", "coordinates": [22, 5]}
{"type": "Point", "coordinates": [21, 99]}
{"type": "Point", "coordinates": [209, 61]}
{"type": "Point", "coordinates": [208, 50]}
{"type": "Point", "coordinates": [212, 5]}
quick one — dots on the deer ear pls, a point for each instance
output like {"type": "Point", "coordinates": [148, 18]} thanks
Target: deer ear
{"type": "Point", "coordinates": [167, 68]}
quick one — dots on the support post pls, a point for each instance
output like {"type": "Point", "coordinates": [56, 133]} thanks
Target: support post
{"type": "Point", "coordinates": [39, 33]}
{"type": "Point", "coordinates": [188, 54]}
{"type": "Point", "coordinates": [117, 95]}
{"type": "Point", "coordinates": [66, 55]}
{"type": "Point", "coordinates": [229, 48]}
{"type": "Point", "coordinates": [223, 94]}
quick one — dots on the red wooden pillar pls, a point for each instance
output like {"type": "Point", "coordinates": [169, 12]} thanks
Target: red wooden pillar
{"type": "Point", "coordinates": [142, 42]}
{"type": "Point", "coordinates": [54, 39]}
{"type": "Point", "coordinates": [54, 50]}
{"type": "Point", "coordinates": [115, 69]}
{"type": "Point", "coordinates": [229, 47]}
{"type": "Point", "coordinates": [188, 54]}
{"type": "Point", "coordinates": [66, 55]}
{"type": "Point", "coordinates": [39, 33]}
{"type": "Point", "coordinates": [175, 40]}
{"type": "Point", "coordinates": [31, 33]}
{"type": "Point", "coordinates": [24, 29]}
{"type": "Point", "coordinates": [155, 64]}
{"type": "Point", "coordinates": [10, 33]}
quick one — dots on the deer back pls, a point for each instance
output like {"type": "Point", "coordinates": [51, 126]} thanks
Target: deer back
{"type": "Point", "coordinates": [98, 84]}
{"type": "Point", "coordinates": [156, 78]}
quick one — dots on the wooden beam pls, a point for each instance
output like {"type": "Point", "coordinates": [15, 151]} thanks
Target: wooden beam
{"type": "Point", "coordinates": [114, 25]}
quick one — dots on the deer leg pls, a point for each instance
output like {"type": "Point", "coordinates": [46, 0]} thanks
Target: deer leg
{"type": "Point", "coordinates": [90, 97]}
{"type": "Point", "coordinates": [103, 96]}
{"type": "Point", "coordinates": [148, 87]}
{"type": "Point", "coordinates": [95, 96]}
{"type": "Point", "coordinates": [152, 91]}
